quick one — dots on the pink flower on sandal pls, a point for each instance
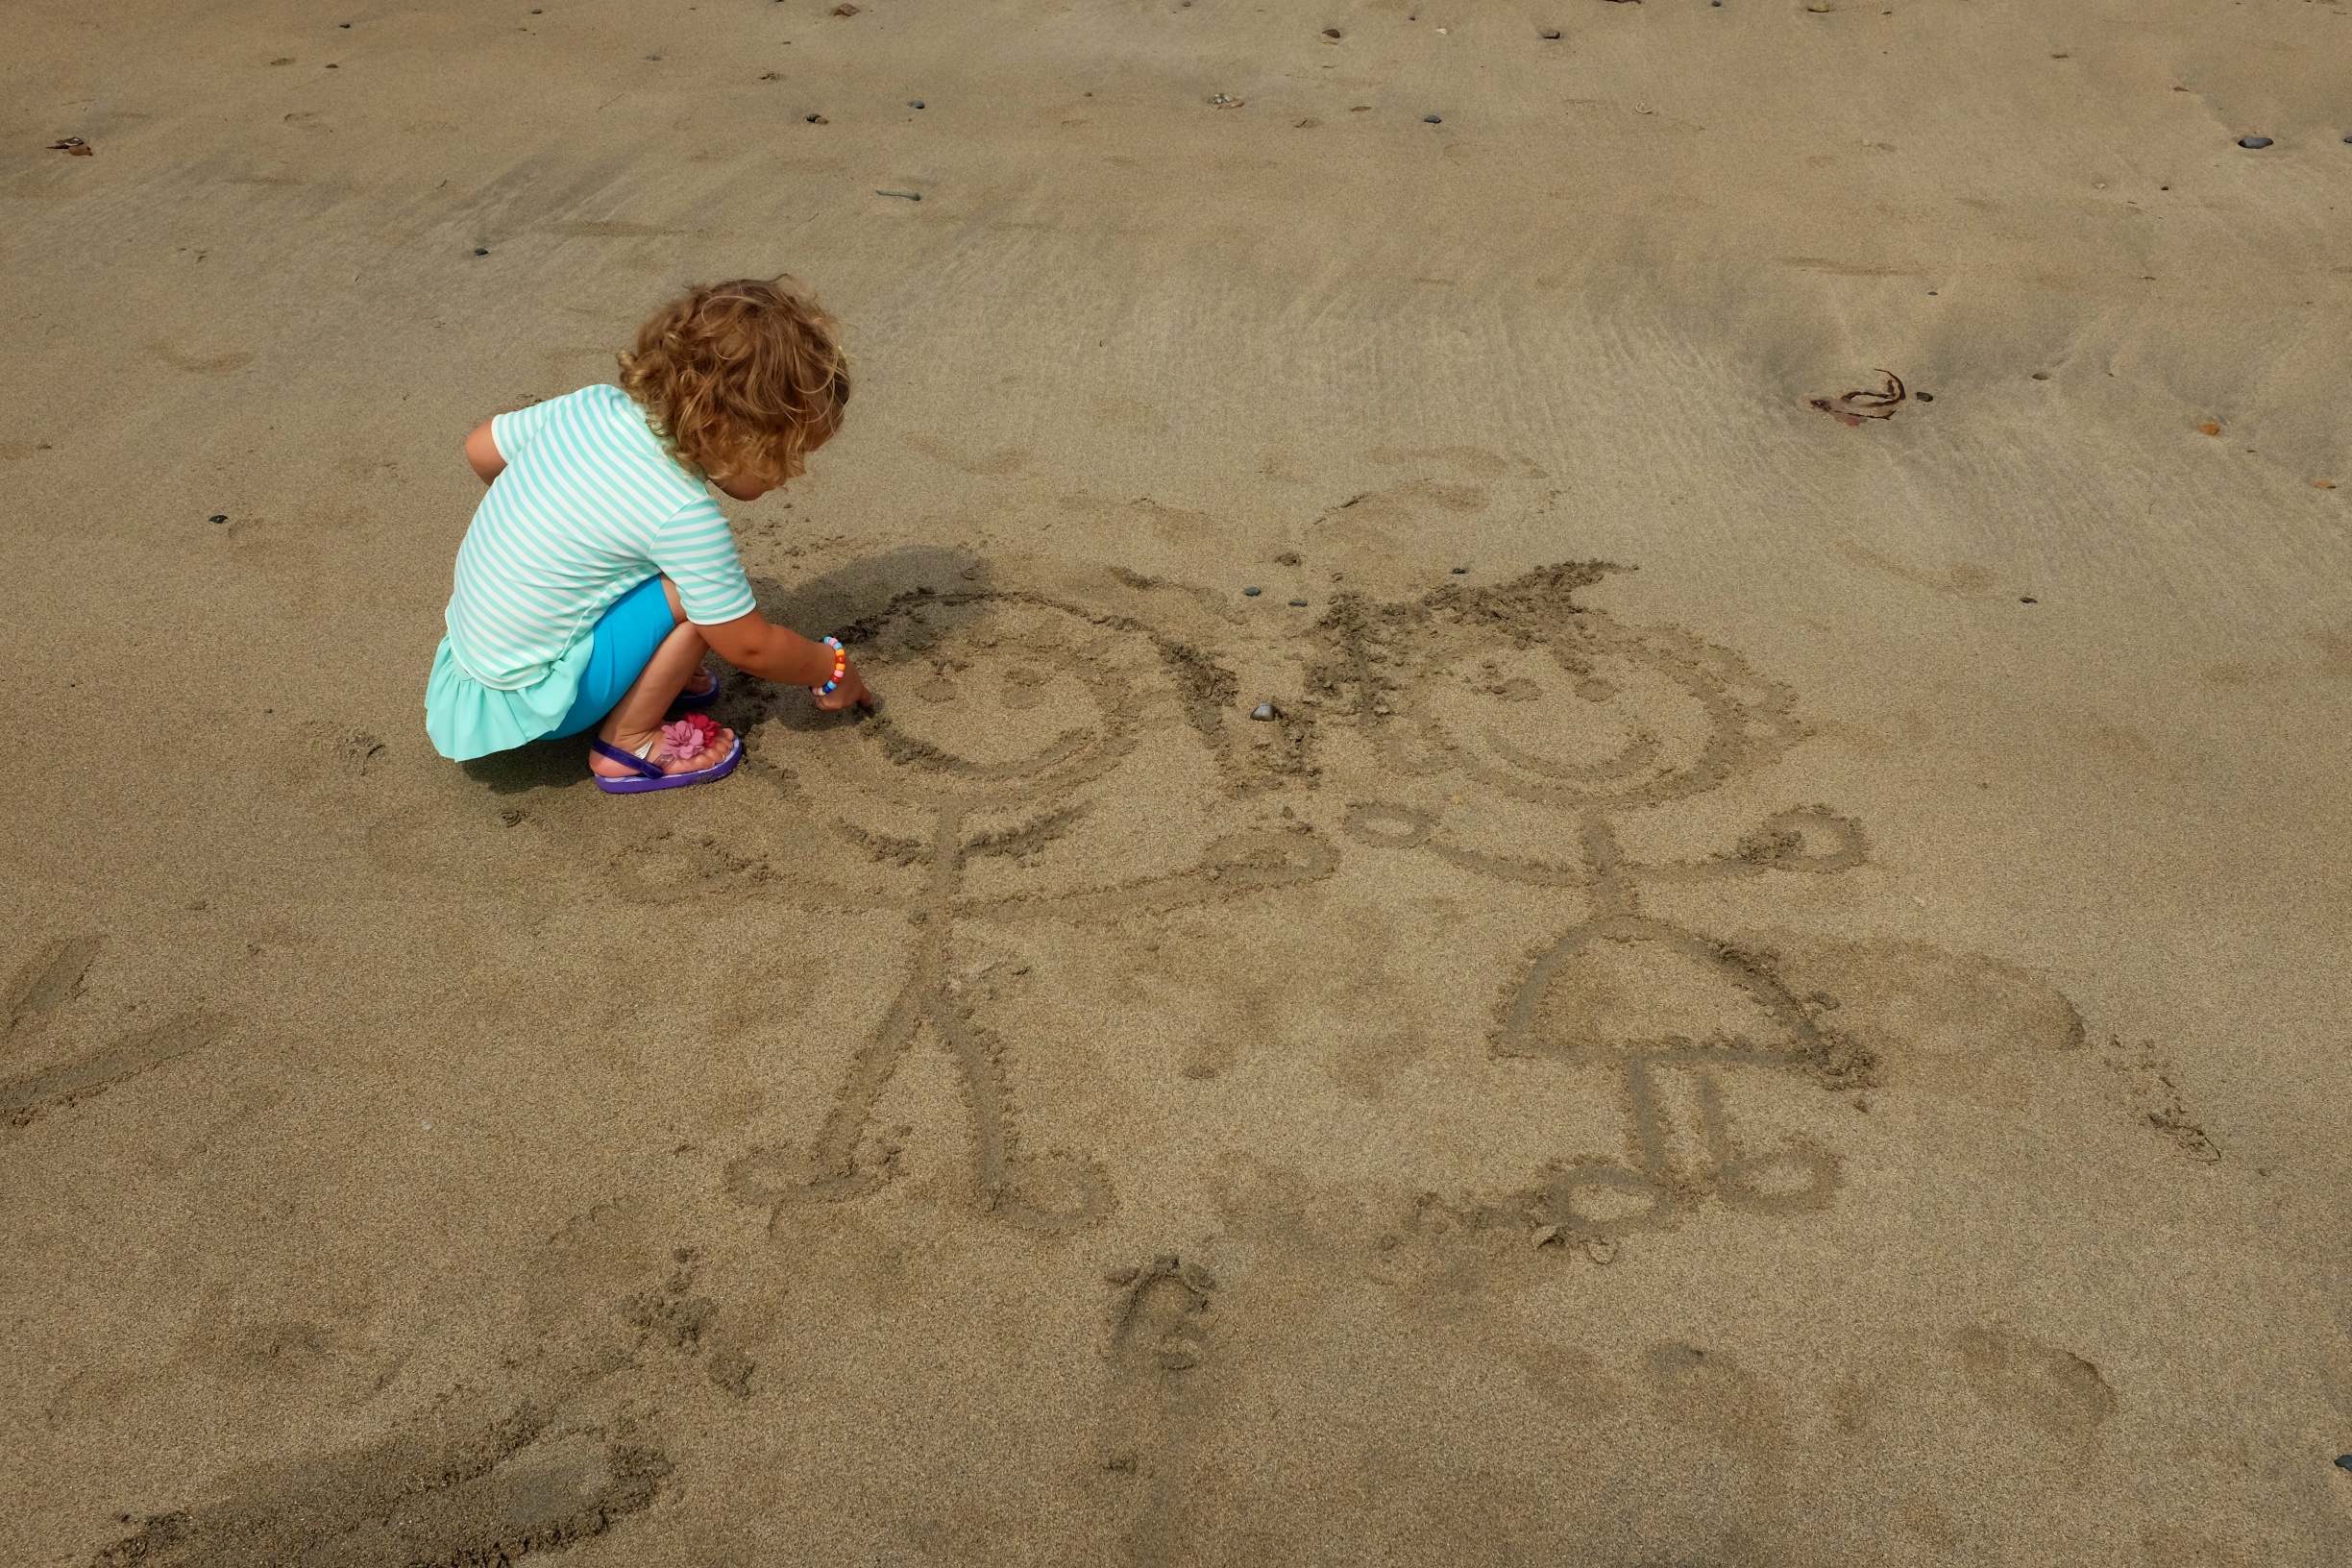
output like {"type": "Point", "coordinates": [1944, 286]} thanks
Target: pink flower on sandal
{"type": "Point", "coordinates": [689, 737]}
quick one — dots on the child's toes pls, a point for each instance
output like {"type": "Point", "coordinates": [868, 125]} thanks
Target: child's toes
{"type": "Point", "coordinates": [712, 756]}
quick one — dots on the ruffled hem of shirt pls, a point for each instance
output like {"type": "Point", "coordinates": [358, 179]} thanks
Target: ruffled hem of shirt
{"type": "Point", "coordinates": [468, 719]}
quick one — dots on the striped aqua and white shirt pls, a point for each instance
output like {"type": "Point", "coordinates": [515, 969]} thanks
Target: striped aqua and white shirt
{"type": "Point", "coordinates": [591, 504]}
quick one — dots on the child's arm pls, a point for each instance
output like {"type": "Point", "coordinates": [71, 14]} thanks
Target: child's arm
{"type": "Point", "coordinates": [754, 644]}
{"type": "Point", "coordinates": [483, 454]}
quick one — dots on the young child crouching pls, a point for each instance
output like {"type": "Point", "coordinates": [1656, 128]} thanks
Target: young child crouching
{"type": "Point", "coordinates": [597, 570]}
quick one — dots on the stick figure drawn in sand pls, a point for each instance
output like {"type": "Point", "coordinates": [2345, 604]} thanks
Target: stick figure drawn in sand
{"type": "Point", "coordinates": [1042, 654]}
{"type": "Point", "coordinates": [1546, 676]}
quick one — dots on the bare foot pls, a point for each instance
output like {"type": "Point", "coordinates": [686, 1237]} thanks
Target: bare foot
{"type": "Point", "coordinates": [709, 757]}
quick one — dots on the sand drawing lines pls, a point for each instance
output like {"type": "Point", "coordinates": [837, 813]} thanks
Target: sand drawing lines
{"type": "Point", "coordinates": [48, 980]}
{"type": "Point", "coordinates": [1565, 708]}
{"type": "Point", "coordinates": [1017, 703]}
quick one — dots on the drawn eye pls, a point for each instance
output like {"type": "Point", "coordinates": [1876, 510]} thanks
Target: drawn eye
{"type": "Point", "coordinates": [1566, 723]}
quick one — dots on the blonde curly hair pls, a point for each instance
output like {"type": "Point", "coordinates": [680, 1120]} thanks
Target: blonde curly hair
{"type": "Point", "coordinates": [741, 379]}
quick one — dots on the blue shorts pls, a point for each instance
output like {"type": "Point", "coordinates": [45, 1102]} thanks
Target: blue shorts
{"type": "Point", "coordinates": [625, 641]}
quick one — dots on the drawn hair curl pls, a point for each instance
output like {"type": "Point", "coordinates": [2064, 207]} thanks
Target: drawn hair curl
{"type": "Point", "coordinates": [744, 378]}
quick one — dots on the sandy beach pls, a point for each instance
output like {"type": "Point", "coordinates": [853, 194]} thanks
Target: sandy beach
{"type": "Point", "coordinates": [1769, 992]}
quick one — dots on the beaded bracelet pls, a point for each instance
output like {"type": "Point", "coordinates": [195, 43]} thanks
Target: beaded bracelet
{"type": "Point", "coordinates": [841, 668]}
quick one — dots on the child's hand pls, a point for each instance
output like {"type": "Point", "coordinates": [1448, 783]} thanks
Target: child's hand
{"type": "Point", "coordinates": [852, 691]}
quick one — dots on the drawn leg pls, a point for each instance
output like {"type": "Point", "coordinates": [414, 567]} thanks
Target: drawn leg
{"type": "Point", "coordinates": [1793, 1177]}
{"type": "Point", "coordinates": [1056, 1193]}
{"type": "Point", "coordinates": [830, 1172]}
{"type": "Point", "coordinates": [1609, 1201]}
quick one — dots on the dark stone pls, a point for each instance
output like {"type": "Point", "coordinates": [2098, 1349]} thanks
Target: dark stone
{"type": "Point", "coordinates": [220, 517]}
{"type": "Point", "coordinates": [2028, 599]}
{"type": "Point", "coordinates": [1924, 397]}
{"type": "Point", "coordinates": [1461, 570]}
{"type": "Point", "coordinates": [2343, 1461]}
{"type": "Point", "coordinates": [480, 250]}
{"type": "Point", "coordinates": [1264, 711]}
{"type": "Point", "coordinates": [1298, 604]}
{"type": "Point", "coordinates": [1432, 119]}
{"type": "Point", "coordinates": [1550, 33]}
{"type": "Point", "coordinates": [1251, 593]}
{"type": "Point", "coordinates": [2254, 143]}
{"type": "Point", "coordinates": [914, 103]}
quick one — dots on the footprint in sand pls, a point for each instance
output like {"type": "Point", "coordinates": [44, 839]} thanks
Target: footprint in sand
{"type": "Point", "coordinates": [433, 1495]}
{"type": "Point", "coordinates": [50, 979]}
{"type": "Point", "coordinates": [1162, 1320]}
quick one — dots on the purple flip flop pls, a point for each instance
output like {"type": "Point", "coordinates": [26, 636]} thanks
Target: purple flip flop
{"type": "Point", "coordinates": [696, 703]}
{"type": "Point", "coordinates": [651, 777]}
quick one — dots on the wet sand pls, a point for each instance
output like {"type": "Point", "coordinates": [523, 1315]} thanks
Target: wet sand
{"type": "Point", "coordinates": [1787, 1013]}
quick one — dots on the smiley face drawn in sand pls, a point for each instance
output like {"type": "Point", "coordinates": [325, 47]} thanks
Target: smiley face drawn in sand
{"type": "Point", "coordinates": [1015, 705]}
{"type": "Point", "coordinates": [1520, 691]}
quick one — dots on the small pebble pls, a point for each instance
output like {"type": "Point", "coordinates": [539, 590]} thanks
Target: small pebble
{"type": "Point", "coordinates": [1262, 711]}
{"type": "Point", "coordinates": [1331, 32]}
{"type": "Point", "coordinates": [2256, 143]}
{"type": "Point", "coordinates": [1550, 33]}
{"type": "Point", "coordinates": [1300, 604]}
{"type": "Point", "coordinates": [2028, 599]}
{"type": "Point", "coordinates": [2343, 1461]}
{"type": "Point", "coordinates": [1461, 570]}
{"type": "Point", "coordinates": [1432, 119]}
{"type": "Point", "coordinates": [220, 517]}
{"type": "Point", "coordinates": [816, 119]}
{"type": "Point", "coordinates": [914, 103]}
{"type": "Point", "coordinates": [1924, 397]}
{"type": "Point", "coordinates": [480, 250]}
{"type": "Point", "coordinates": [1251, 593]}
{"type": "Point", "coordinates": [342, 24]}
